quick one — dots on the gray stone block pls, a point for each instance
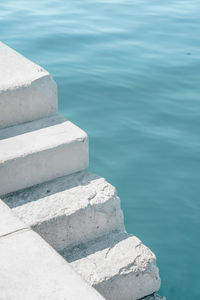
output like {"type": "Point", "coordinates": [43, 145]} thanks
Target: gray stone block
{"type": "Point", "coordinates": [39, 151]}
{"type": "Point", "coordinates": [27, 91]}
{"type": "Point", "coordinates": [69, 210]}
{"type": "Point", "coordinates": [118, 265]}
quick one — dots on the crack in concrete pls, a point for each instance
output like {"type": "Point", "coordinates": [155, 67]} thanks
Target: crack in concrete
{"type": "Point", "coordinates": [14, 232]}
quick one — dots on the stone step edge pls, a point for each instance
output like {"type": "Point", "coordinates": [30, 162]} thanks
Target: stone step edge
{"type": "Point", "coordinates": [27, 91]}
{"type": "Point", "coordinates": [56, 209]}
{"type": "Point", "coordinates": [39, 155]}
{"type": "Point", "coordinates": [115, 261]}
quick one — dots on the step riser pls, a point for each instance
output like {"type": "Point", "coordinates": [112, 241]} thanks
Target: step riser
{"type": "Point", "coordinates": [28, 103]}
{"type": "Point", "coordinates": [69, 210]}
{"type": "Point", "coordinates": [23, 172]}
{"type": "Point", "coordinates": [121, 287]}
{"type": "Point", "coordinates": [84, 225]}
{"type": "Point", "coordinates": [27, 91]}
{"type": "Point", "coordinates": [118, 265]}
{"type": "Point", "coordinates": [80, 216]}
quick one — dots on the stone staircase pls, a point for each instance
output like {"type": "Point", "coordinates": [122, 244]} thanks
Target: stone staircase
{"type": "Point", "coordinates": [44, 179]}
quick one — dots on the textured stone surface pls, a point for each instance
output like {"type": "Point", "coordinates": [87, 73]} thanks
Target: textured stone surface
{"type": "Point", "coordinates": [31, 270]}
{"type": "Point", "coordinates": [41, 150]}
{"type": "Point", "coordinates": [153, 297]}
{"type": "Point", "coordinates": [118, 265]}
{"type": "Point", "coordinates": [27, 91]}
{"type": "Point", "coordinates": [78, 214]}
{"type": "Point", "coordinates": [8, 222]}
{"type": "Point", "coordinates": [69, 210]}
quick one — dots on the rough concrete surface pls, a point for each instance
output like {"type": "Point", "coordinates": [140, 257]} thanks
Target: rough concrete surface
{"type": "Point", "coordinates": [153, 297]}
{"type": "Point", "coordinates": [29, 156]}
{"type": "Point", "coordinates": [27, 91]}
{"type": "Point", "coordinates": [78, 214]}
{"type": "Point", "coordinates": [69, 210]}
{"type": "Point", "coordinates": [31, 270]}
{"type": "Point", "coordinates": [118, 265]}
{"type": "Point", "coordinates": [8, 222]}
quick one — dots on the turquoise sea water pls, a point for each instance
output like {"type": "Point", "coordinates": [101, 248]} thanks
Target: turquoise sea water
{"type": "Point", "coordinates": [128, 72]}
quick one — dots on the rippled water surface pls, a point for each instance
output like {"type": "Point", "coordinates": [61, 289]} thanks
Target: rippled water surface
{"type": "Point", "coordinates": [128, 73]}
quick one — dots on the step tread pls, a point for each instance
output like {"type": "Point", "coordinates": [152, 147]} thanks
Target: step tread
{"type": "Point", "coordinates": [57, 208]}
{"type": "Point", "coordinates": [60, 196]}
{"type": "Point", "coordinates": [27, 91]}
{"type": "Point", "coordinates": [35, 136]}
{"type": "Point", "coordinates": [119, 253]}
{"type": "Point", "coordinates": [16, 70]}
{"type": "Point", "coordinates": [109, 260]}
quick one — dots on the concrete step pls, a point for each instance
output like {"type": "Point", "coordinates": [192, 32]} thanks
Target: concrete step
{"type": "Point", "coordinates": [69, 210]}
{"type": "Point", "coordinates": [27, 91]}
{"type": "Point", "coordinates": [118, 265]}
{"type": "Point", "coordinates": [154, 297]}
{"type": "Point", "coordinates": [41, 150]}
{"type": "Point", "coordinates": [32, 270]}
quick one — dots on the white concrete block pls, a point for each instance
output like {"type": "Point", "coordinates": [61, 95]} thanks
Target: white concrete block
{"type": "Point", "coordinates": [118, 265]}
{"type": "Point", "coordinates": [31, 270]}
{"type": "Point", "coordinates": [8, 222]}
{"type": "Point", "coordinates": [41, 150]}
{"type": "Point", "coordinates": [69, 210]}
{"type": "Point", "coordinates": [27, 91]}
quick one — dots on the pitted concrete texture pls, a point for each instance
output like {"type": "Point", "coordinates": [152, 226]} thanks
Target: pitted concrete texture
{"type": "Point", "coordinates": [40, 150]}
{"type": "Point", "coordinates": [27, 91]}
{"type": "Point", "coordinates": [69, 210]}
{"type": "Point", "coordinates": [31, 270]}
{"type": "Point", "coordinates": [153, 297]}
{"type": "Point", "coordinates": [8, 222]}
{"type": "Point", "coordinates": [118, 265]}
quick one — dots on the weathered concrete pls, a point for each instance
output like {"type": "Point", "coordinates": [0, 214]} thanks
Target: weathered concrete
{"type": "Point", "coordinates": [69, 210]}
{"type": "Point", "coordinates": [27, 91]}
{"type": "Point", "coordinates": [118, 265]}
{"type": "Point", "coordinates": [78, 214]}
{"type": "Point", "coordinates": [31, 270]}
{"type": "Point", "coordinates": [153, 297]}
{"type": "Point", "coordinates": [41, 150]}
{"type": "Point", "coordinates": [8, 222]}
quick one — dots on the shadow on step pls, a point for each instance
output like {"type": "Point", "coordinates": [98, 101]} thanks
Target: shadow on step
{"type": "Point", "coordinates": [106, 242]}
{"type": "Point", "coordinates": [49, 188]}
{"type": "Point", "coordinates": [24, 128]}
